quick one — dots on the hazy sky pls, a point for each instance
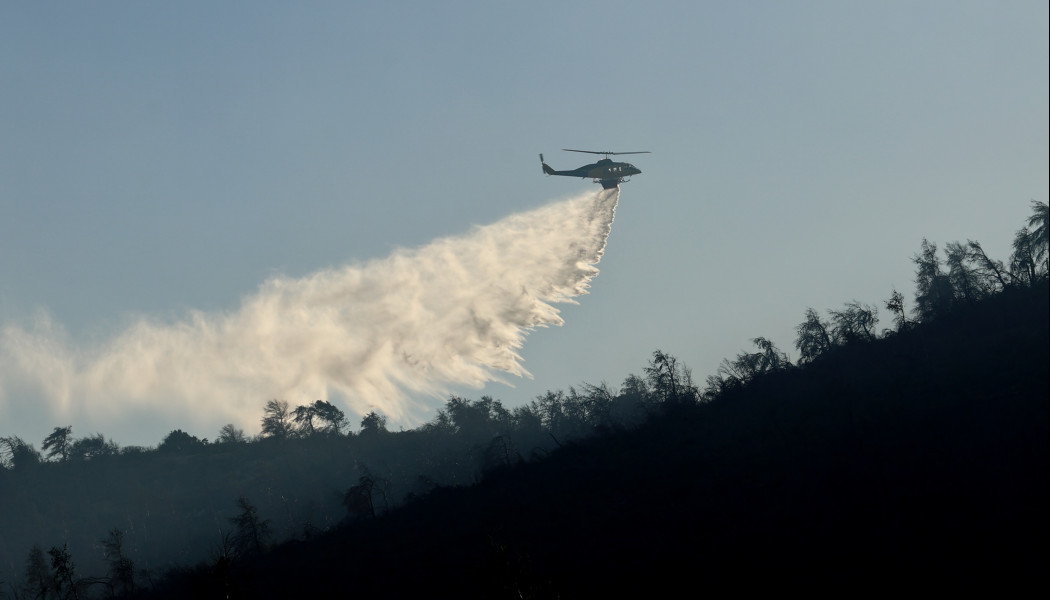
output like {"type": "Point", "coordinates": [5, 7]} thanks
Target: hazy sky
{"type": "Point", "coordinates": [161, 163]}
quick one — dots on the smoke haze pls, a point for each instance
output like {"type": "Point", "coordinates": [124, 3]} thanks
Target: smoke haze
{"type": "Point", "coordinates": [391, 334]}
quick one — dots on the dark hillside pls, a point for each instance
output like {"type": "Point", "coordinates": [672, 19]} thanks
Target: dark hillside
{"type": "Point", "coordinates": [919, 459]}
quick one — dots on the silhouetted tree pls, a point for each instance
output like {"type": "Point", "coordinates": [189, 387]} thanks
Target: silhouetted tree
{"type": "Point", "coordinates": [58, 443]}
{"type": "Point", "coordinates": [180, 441]}
{"type": "Point", "coordinates": [749, 365]}
{"type": "Point", "coordinates": [65, 572]}
{"type": "Point", "coordinates": [332, 420]}
{"type": "Point", "coordinates": [993, 276]}
{"type": "Point", "coordinates": [933, 288]}
{"type": "Point", "coordinates": [626, 407]}
{"type": "Point", "coordinates": [772, 358]}
{"type": "Point", "coordinates": [895, 305]}
{"type": "Point", "coordinates": [121, 567]}
{"type": "Point", "coordinates": [598, 402]}
{"type": "Point", "coordinates": [973, 275]}
{"type": "Point", "coordinates": [440, 424]}
{"type": "Point", "coordinates": [966, 284]}
{"type": "Point", "coordinates": [373, 423]}
{"type": "Point", "coordinates": [251, 533]}
{"type": "Point", "coordinates": [276, 422]}
{"type": "Point", "coordinates": [303, 416]}
{"type": "Point", "coordinates": [670, 381]}
{"type": "Point", "coordinates": [481, 418]}
{"type": "Point", "coordinates": [229, 434]}
{"type": "Point", "coordinates": [226, 549]}
{"type": "Point", "coordinates": [223, 556]}
{"type": "Point", "coordinates": [527, 420]}
{"type": "Point", "coordinates": [16, 453]}
{"type": "Point", "coordinates": [358, 499]}
{"type": "Point", "coordinates": [38, 581]}
{"type": "Point", "coordinates": [577, 417]}
{"type": "Point", "coordinates": [92, 447]}
{"type": "Point", "coordinates": [718, 384]}
{"type": "Point", "coordinates": [855, 322]}
{"type": "Point", "coordinates": [1023, 263]}
{"type": "Point", "coordinates": [550, 409]}
{"type": "Point", "coordinates": [635, 393]}
{"type": "Point", "coordinates": [814, 337]}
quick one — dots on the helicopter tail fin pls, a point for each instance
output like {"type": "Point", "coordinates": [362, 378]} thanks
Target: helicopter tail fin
{"type": "Point", "coordinates": [546, 169]}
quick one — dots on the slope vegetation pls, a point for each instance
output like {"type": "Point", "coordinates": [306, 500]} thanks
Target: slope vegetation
{"type": "Point", "coordinates": [917, 459]}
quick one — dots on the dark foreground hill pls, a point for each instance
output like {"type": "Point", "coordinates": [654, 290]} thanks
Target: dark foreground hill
{"type": "Point", "coordinates": [920, 459]}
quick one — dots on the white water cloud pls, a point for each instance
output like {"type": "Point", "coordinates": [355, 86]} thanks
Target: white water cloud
{"type": "Point", "coordinates": [391, 334]}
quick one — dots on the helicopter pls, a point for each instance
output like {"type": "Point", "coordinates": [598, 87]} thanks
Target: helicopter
{"type": "Point", "coordinates": [606, 171]}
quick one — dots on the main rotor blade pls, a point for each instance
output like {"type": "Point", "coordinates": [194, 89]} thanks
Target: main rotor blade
{"type": "Point", "coordinates": [605, 153]}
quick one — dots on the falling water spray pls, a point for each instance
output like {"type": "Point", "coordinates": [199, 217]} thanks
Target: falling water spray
{"type": "Point", "coordinates": [392, 334]}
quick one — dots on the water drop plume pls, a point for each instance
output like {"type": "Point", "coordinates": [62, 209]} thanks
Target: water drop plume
{"type": "Point", "coordinates": [391, 334]}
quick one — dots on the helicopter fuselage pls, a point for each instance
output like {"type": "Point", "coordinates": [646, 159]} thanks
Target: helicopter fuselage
{"type": "Point", "coordinates": [606, 171]}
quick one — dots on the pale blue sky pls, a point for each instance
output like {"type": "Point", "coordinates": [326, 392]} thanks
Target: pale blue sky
{"type": "Point", "coordinates": [157, 159]}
